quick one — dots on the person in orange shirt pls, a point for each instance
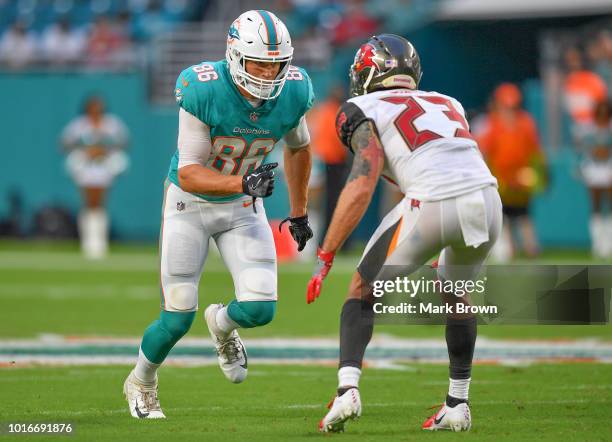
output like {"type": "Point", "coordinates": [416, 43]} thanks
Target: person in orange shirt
{"type": "Point", "coordinates": [328, 148]}
{"type": "Point", "coordinates": [508, 139]}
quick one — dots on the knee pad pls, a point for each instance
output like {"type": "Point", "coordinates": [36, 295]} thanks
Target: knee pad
{"type": "Point", "coordinates": [257, 283]}
{"type": "Point", "coordinates": [252, 314]}
{"type": "Point", "coordinates": [176, 324]}
{"type": "Point", "coordinates": [181, 297]}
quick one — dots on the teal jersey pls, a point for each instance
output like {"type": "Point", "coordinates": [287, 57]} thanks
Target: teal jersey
{"type": "Point", "coordinates": [241, 135]}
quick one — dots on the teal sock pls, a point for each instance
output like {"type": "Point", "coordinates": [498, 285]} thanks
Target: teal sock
{"type": "Point", "coordinates": [249, 314]}
{"type": "Point", "coordinates": [161, 335]}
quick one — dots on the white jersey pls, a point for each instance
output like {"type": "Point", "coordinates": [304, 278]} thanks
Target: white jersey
{"type": "Point", "coordinates": [429, 151]}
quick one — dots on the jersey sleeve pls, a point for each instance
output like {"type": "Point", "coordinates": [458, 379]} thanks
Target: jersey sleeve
{"type": "Point", "coordinates": [304, 93]}
{"type": "Point", "coordinates": [349, 117]}
{"type": "Point", "coordinates": [299, 136]}
{"type": "Point", "coordinates": [194, 95]}
{"type": "Point", "coordinates": [194, 144]}
{"type": "Point", "coordinates": [310, 96]}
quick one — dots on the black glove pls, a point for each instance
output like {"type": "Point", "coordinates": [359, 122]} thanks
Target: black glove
{"type": "Point", "coordinates": [300, 230]}
{"type": "Point", "coordinates": [260, 182]}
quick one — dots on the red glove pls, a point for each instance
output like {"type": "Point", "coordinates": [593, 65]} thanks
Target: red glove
{"type": "Point", "coordinates": [324, 263]}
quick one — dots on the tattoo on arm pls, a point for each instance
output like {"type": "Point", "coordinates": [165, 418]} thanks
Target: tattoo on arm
{"type": "Point", "coordinates": [368, 152]}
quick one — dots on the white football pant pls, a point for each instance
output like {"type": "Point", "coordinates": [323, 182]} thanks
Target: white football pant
{"type": "Point", "coordinates": [243, 237]}
{"type": "Point", "coordinates": [462, 230]}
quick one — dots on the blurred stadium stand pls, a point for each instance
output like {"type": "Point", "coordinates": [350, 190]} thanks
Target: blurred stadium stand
{"type": "Point", "coordinates": [39, 14]}
{"type": "Point", "coordinates": [174, 51]}
{"type": "Point", "coordinates": [467, 48]}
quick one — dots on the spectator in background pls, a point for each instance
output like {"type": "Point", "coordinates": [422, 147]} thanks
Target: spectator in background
{"type": "Point", "coordinates": [61, 44]}
{"type": "Point", "coordinates": [18, 47]}
{"type": "Point", "coordinates": [123, 25]}
{"type": "Point", "coordinates": [355, 25]}
{"type": "Point", "coordinates": [104, 43]}
{"type": "Point", "coordinates": [328, 148]}
{"type": "Point", "coordinates": [582, 88]}
{"type": "Point", "coordinates": [594, 141]}
{"type": "Point", "coordinates": [508, 138]}
{"type": "Point", "coordinates": [126, 54]}
{"type": "Point", "coordinates": [95, 143]}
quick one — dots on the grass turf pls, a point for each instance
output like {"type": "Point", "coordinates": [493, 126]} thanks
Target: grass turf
{"type": "Point", "coordinates": [278, 403]}
{"type": "Point", "coordinates": [51, 289]}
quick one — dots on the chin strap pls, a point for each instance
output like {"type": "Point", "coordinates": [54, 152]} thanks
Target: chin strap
{"type": "Point", "coordinates": [369, 79]}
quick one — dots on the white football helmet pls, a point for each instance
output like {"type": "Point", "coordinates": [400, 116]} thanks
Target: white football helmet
{"type": "Point", "coordinates": [258, 35]}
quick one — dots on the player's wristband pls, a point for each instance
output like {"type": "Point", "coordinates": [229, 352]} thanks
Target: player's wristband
{"type": "Point", "coordinates": [326, 257]}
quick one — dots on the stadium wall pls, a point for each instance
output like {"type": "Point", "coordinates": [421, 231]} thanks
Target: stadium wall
{"type": "Point", "coordinates": [30, 139]}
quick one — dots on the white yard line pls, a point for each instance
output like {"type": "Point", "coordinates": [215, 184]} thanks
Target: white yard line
{"type": "Point", "coordinates": [380, 341]}
{"type": "Point", "coordinates": [387, 352]}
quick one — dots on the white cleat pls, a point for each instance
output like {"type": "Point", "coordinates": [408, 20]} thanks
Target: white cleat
{"type": "Point", "coordinates": [457, 418]}
{"type": "Point", "coordinates": [142, 399]}
{"type": "Point", "coordinates": [341, 409]}
{"type": "Point", "coordinates": [230, 350]}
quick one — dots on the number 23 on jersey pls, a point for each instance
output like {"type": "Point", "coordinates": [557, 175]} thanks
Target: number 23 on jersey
{"type": "Point", "coordinates": [405, 121]}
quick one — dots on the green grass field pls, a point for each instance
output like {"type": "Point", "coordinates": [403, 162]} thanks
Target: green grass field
{"type": "Point", "coordinates": [48, 289]}
{"type": "Point", "coordinates": [53, 290]}
{"type": "Point", "coordinates": [278, 403]}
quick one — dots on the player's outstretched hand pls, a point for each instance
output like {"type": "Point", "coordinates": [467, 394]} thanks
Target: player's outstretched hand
{"type": "Point", "coordinates": [324, 263]}
{"type": "Point", "coordinates": [300, 230]}
{"type": "Point", "coordinates": [260, 182]}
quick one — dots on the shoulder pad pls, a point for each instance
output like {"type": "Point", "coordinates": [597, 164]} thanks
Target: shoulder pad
{"type": "Point", "coordinates": [299, 92]}
{"type": "Point", "coordinates": [349, 117]}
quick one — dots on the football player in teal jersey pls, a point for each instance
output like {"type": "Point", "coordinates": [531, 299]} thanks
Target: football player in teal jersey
{"type": "Point", "coordinates": [232, 113]}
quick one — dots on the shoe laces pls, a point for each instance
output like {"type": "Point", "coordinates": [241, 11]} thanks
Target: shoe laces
{"type": "Point", "coordinates": [149, 397]}
{"type": "Point", "coordinates": [231, 349]}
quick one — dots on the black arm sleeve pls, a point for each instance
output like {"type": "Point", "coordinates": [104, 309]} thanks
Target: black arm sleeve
{"type": "Point", "coordinates": [349, 117]}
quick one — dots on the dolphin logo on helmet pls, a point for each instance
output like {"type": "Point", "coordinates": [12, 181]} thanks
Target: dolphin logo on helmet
{"type": "Point", "coordinates": [258, 35]}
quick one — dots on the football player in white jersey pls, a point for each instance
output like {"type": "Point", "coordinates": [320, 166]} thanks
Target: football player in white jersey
{"type": "Point", "coordinates": [421, 141]}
